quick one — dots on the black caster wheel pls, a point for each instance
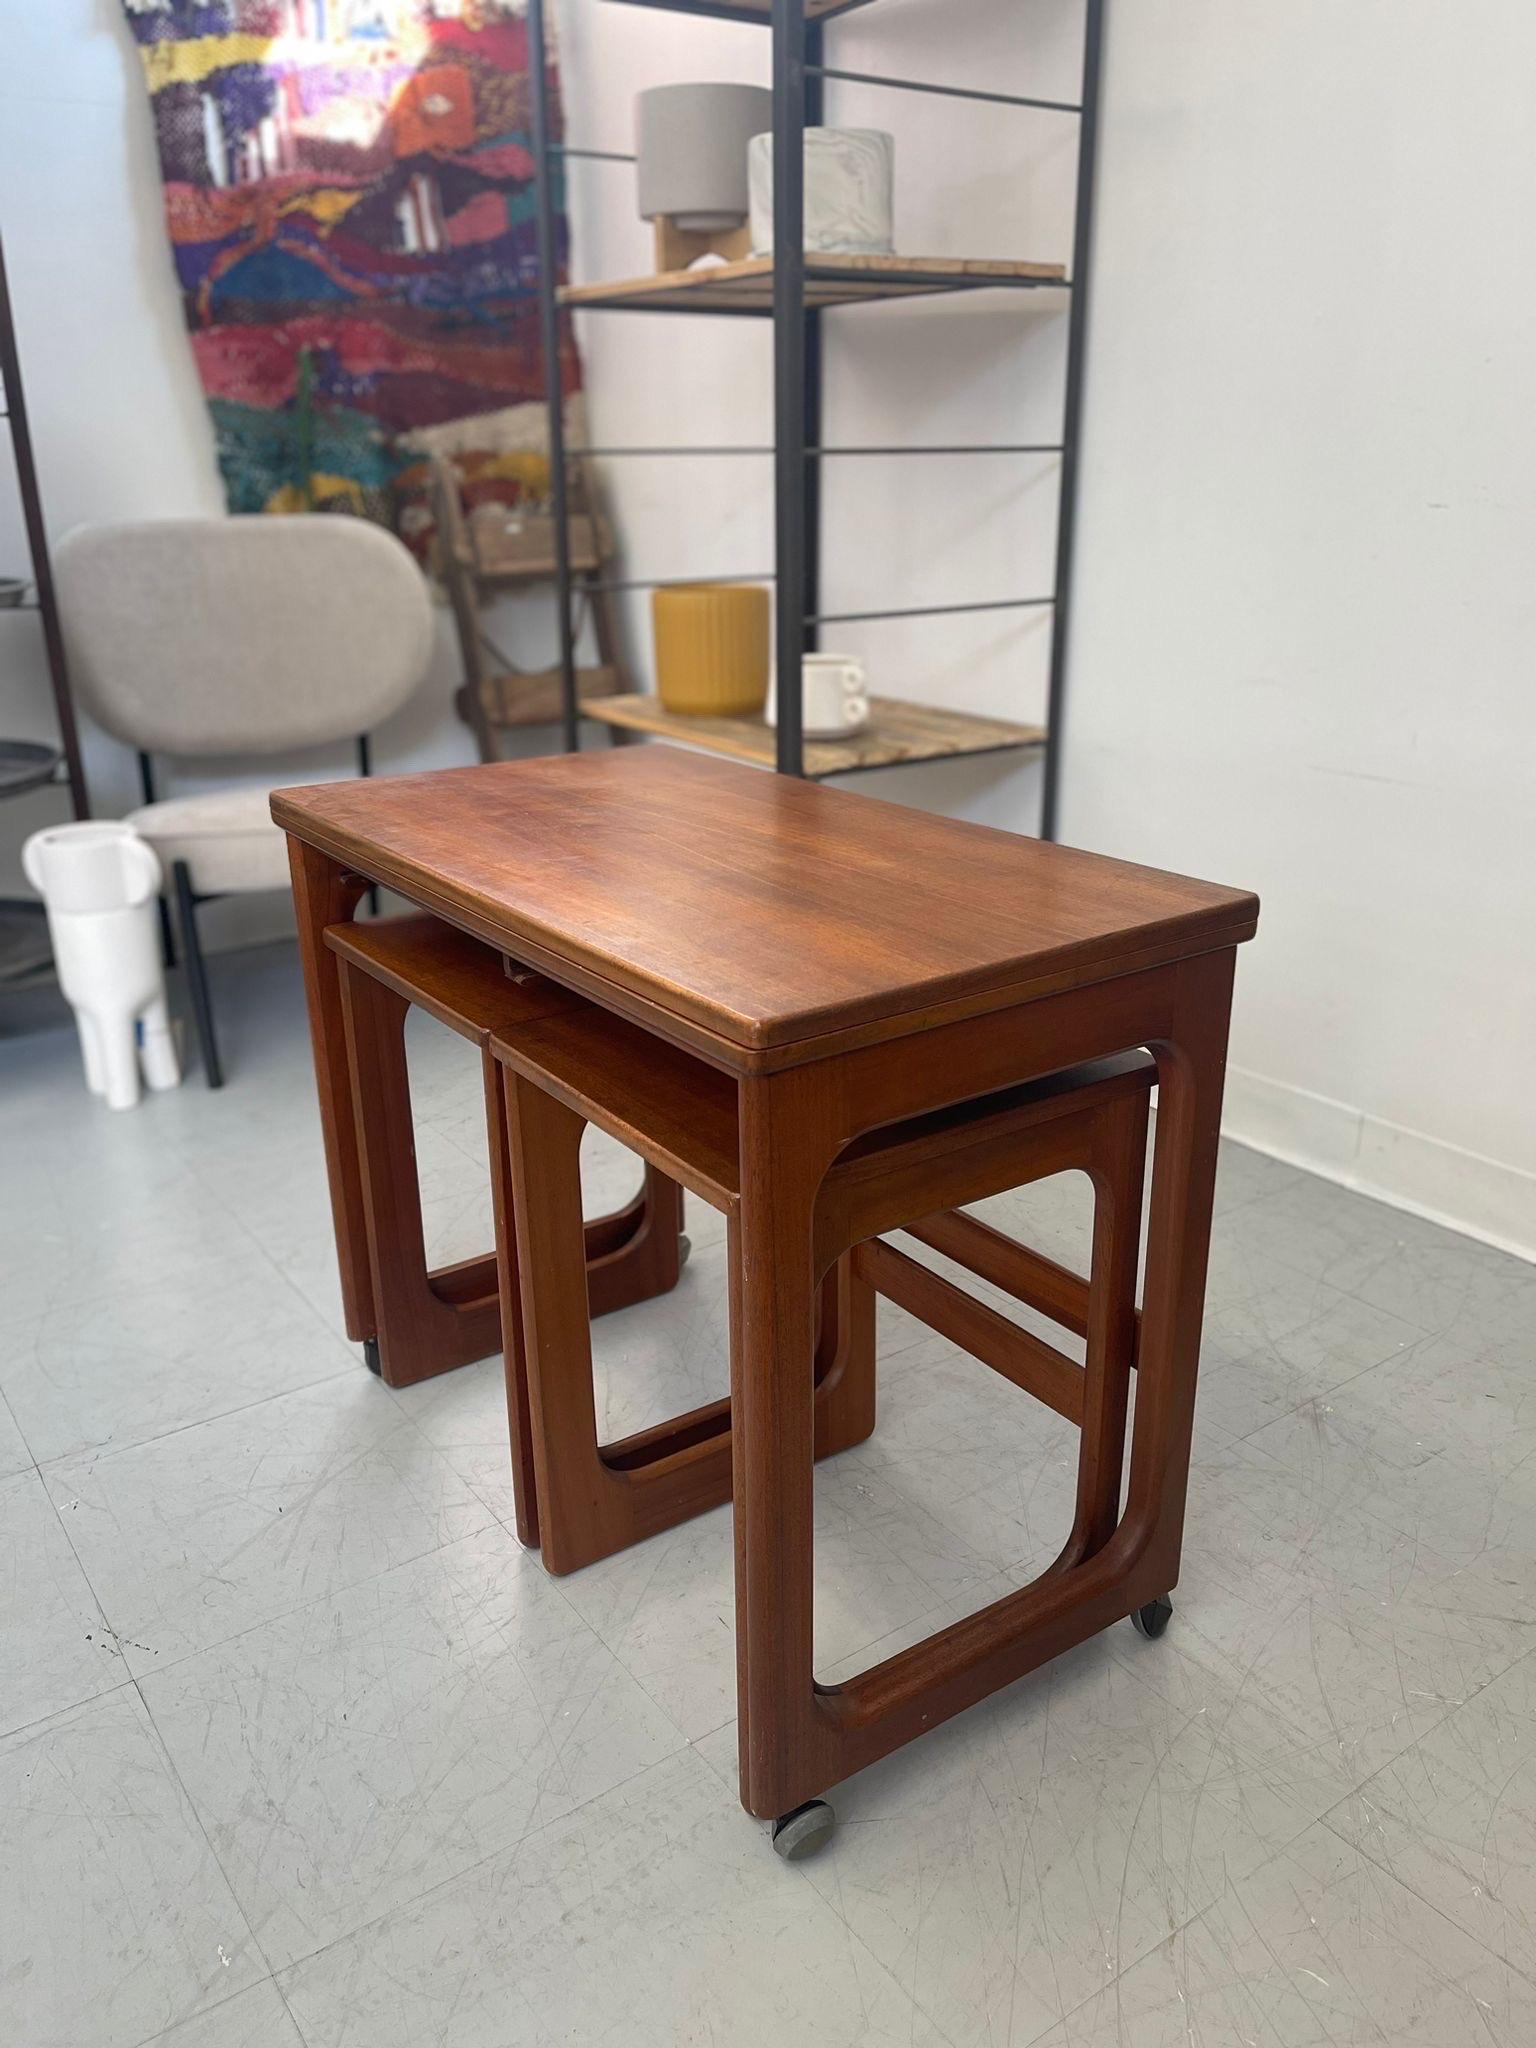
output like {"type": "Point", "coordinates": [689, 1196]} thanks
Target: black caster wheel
{"type": "Point", "coordinates": [684, 1248]}
{"type": "Point", "coordinates": [1151, 1620]}
{"type": "Point", "coordinates": [371, 1356]}
{"type": "Point", "coordinates": [803, 1831]}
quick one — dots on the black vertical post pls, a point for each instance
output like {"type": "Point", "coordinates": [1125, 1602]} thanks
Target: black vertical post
{"type": "Point", "coordinates": [1077, 341]}
{"type": "Point", "coordinates": [789, 372]}
{"type": "Point", "coordinates": [37, 548]}
{"type": "Point", "coordinates": [549, 335]}
{"type": "Point", "coordinates": [814, 411]}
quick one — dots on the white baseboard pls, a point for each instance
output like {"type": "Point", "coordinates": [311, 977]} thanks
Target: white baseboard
{"type": "Point", "coordinates": [1482, 1197]}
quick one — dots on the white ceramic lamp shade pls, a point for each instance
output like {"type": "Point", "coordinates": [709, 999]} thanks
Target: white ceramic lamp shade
{"type": "Point", "coordinates": [691, 144]}
{"type": "Point", "coordinates": [849, 192]}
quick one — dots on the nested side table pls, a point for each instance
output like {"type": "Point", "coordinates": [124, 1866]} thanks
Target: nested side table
{"type": "Point", "coordinates": [849, 964]}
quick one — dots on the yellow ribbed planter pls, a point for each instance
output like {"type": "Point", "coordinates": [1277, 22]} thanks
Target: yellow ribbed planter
{"type": "Point", "coordinates": [711, 648]}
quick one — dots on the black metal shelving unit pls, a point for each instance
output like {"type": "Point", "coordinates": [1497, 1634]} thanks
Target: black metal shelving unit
{"type": "Point", "coordinates": [28, 764]}
{"type": "Point", "coordinates": [796, 291]}
{"type": "Point", "coordinates": [14, 406]}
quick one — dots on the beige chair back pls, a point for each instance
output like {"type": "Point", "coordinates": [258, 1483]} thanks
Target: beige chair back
{"type": "Point", "coordinates": [244, 635]}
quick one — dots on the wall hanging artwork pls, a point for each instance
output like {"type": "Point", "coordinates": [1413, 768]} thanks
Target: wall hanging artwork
{"type": "Point", "coordinates": [349, 189]}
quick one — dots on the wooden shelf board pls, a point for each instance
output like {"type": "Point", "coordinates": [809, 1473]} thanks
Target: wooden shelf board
{"type": "Point", "coordinates": [747, 287]}
{"type": "Point", "coordinates": [897, 732]}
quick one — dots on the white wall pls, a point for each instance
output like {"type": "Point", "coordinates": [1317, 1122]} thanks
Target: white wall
{"type": "Point", "coordinates": [1305, 655]}
{"type": "Point", "coordinates": [1303, 609]}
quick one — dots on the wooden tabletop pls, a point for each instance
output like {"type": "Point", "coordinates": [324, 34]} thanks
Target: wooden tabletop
{"type": "Point", "coordinates": [754, 911]}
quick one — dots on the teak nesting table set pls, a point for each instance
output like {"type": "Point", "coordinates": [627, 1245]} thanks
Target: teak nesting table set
{"type": "Point", "coordinates": [832, 1019]}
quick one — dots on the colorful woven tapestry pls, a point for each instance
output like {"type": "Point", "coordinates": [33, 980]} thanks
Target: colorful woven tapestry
{"type": "Point", "coordinates": [349, 187]}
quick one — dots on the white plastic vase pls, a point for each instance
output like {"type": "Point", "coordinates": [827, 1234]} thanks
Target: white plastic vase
{"type": "Point", "coordinates": [99, 883]}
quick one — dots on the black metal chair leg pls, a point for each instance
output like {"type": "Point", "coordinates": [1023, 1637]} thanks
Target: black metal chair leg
{"type": "Point", "coordinates": [197, 974]}
{"type": "Point", "coordinates": [365, 769]}
{"type": "Point", "coordinates": [167, 933]}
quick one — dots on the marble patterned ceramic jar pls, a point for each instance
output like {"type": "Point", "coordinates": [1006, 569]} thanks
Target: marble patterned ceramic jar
{"type": "Point", "coordinates": [849, 185]}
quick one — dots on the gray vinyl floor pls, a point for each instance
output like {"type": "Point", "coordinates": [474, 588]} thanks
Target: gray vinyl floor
{"type": "Point", "coordinates": [297, 1746]}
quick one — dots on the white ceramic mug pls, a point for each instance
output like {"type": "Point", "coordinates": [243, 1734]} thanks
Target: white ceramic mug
{"type": "Point", "coordinates": [834, 697]}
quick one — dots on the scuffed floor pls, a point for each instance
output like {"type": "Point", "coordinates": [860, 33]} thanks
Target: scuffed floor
{"type": "Point", "coordinates": [297, 1746]}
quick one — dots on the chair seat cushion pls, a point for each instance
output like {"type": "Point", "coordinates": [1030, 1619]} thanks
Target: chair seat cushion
{"type": "Point", "coordinates": [227, 839]}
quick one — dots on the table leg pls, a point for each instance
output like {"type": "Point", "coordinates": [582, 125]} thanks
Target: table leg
{"type": "Point", "coordinates": [426, 1322]}
{"type": "Point", "coordinates": [543, 1147]}
{"type": "Point", "coordinates": [844, 1412]}
{"type": "Point", "coordinates": [1120, 1150]}
{"type": "Point", "coordinates": [595, 1499]}
{"type": "Point", "coordinates": [772, 1340]}
{"type": "Point", "coordinates": [525, 1485]}
{"type": "Point", "coordinates": [636, 1253]}
{"type": "Point", "coordinates": [1191, 1064]}
{"type": "Point", "coordinates": [324, 893]}
{"type": "Point", "coordinates": [797, 1738]}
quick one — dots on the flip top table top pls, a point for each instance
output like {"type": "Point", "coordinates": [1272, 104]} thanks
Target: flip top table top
{"type": "Point", "coordinates": [754, 913]}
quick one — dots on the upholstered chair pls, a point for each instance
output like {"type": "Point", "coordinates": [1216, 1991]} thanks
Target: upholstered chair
{"type": "Point", "coordinates": [237, 638]}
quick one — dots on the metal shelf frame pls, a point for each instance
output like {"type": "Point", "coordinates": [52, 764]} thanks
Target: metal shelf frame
{"type": "Point", "coordinates": [799, 74]}
{"type": "Point", "coordinates": [44, 604]}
